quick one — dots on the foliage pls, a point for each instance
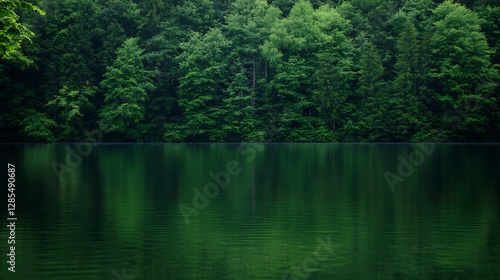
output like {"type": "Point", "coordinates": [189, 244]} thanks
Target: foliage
{"type": "Point", "coordinates": [37, 127]}
{"type": "Point", "coordinates": [204, 66]}
{"type": "Point", "coordinates": [70, 108]}
{"type": "Point", "coordinates": [461, 71]}
{"type": "Point", "coordinates": [12, 31]}
{"type": "Point", "coordinates": [126, 85]}
{"type": "Point", "coordinates": [250, 70]}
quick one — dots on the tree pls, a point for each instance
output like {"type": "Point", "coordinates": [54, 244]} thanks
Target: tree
{"type": "Point", "coordinates": [309, 39]}
{"type": "Point", "coordinates": [195, 15]}
{"type": "Point", "coordinates": [67, 56]}
{"type": "Point", "coordinates": [70, 108]}
{"type": "Point", "coordinates": [12, 31]}
{"type": "Point", "coordinates": [125, 85]}
{"type": "Point", "coordinates": [160, 52]}
{"type": "Point", "coordinates": [407, 64]}
{"type": "Point", "coordinates": [491, 27]}
{"type": "Point", "coordinates": [114, 21]}
{"type": "Point", "coordinates": [461, 73]}
{"type": "Point", "coordinates": [403, 108]}
{"type": "Point", "coordinates": [204, 68]}
{"type": "Point", "coordinates": [250, 70]}
{"type": "Point", "coordinates": [292, 86]}
{"type": "Point", "coordinates": [334, 72]}
{"type": "Point", "coordinates": [37, 126]}
{"type": "Point", "coordinates": [378, 14]}
{"type": "Point", "coordinates": [372, 94]}
{"type": "Point", "coordinates": [248, 26]}
{"type": "Point", "coordinates": [241, 121]}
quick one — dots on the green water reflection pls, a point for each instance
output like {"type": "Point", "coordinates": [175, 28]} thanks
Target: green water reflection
{"type": "Point", "coordinates": [117, 210]}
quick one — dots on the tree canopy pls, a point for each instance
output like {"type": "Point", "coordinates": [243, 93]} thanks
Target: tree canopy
{"type": "Point", "coordinates": [250, 70]}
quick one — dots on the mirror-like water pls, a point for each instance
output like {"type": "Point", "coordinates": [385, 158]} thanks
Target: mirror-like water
{"type": "Point", "coordinates": [277, 211]}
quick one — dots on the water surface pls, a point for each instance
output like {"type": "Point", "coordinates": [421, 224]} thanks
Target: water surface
{"type": "Point", "coordinates": [293, 211]}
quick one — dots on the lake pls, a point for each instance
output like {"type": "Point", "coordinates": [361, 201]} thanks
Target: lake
{"type": "Point", "coordinates": [253, 211]}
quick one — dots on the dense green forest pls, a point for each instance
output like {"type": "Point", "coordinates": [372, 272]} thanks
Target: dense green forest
{"type": "Point", "coordinates": [250, 70]}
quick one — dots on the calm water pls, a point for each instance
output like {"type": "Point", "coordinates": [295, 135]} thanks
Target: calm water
{"type": "Point", "coordinates": [289, 211]}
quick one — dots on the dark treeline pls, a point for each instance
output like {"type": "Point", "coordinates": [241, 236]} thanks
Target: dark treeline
{"type": "Point", "coordinates": [255, 70]}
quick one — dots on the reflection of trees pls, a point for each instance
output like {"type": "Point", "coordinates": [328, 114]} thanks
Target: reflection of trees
{"type": "Point", "coordinates": [443, 221]}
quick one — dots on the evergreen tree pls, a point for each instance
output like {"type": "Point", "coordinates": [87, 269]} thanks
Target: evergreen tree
{"type": "Point", "coordinates": [241, 120]}
{"type": "Point", "coordinates": [125, 85]}
{"type": "Point", "coordinates": [250, 70]}
{"type": "Point", "coordinates": [195, 15]}
{"type": "Point", "coordinates": [403, 108]}
{"type": "Point", "coordinates": [372, 94]}
{"type": "Point", "coordinates": [67, 56]}
{"type": "Point", "coordinates": [334, 73]}
{"type": "Point", "coordinates": [72, 109]}
{"type": "Point", "coordinates": [248, 26]}
{"type": "Point", "coordinates": [204, 68]}
{"type": "Point", "coordinates": [112, 22]}
{"type": "Point", "coordinates": [160, 52]}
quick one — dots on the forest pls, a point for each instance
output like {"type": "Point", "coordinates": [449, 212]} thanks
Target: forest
{"type": "Point", "coordinates": [250, 70]}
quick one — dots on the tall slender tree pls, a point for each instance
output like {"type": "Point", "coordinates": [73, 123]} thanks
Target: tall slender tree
{"type": "Point", "coordinates": [373, 95]}
{"type": "Point", "coordinates": [126, 85]}
{"type": "Point", "coordinates": [403, 108]}
{"type": "Point", "coordinates": [205, 74]}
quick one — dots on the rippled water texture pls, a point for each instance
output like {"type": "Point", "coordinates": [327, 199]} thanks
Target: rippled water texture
{"type": "Point", "coordinates": [287, 211]}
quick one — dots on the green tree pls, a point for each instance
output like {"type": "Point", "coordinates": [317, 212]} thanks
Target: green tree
{"type": "Point", "coordinates": [292, 85]}
{"type": "Point", "coordinates": [12, 31]}
{"type": "Point", "coordinates": [67, 57]}
{"type": "Point", "coordinates": [378, 14]}
{"type": "Point", "coordinates": [113, 21]}
{"type": "Point", "coordinates": [71, 109]}
{"type": "Point", "coordinates": [195, 15]}
{"type": "Point", "coordinates": [490, 24]}
{"type": "Point", "coordinates": [248, 26]}
{"type": "Point", "coordinates": [204, 69]}
{"type": "Point", "coordinates": [296, 46]}
{"type": "Point", "coordinates": [461, 73]}
{"type": "Point", "coordinates": [250, 70]}
{"type": "Point", "coordinates": [408, 65]}
{"type": "Point", "coordinates": [37, 126]}
{"type": "Point", "coordinates": [125, 85]}
{"type": "Point", "coordinates": [372, 94]}
{"type": "Point", "coordinates": [241, 121]}
{"type": "Point", "coordinates": [404, 116]}
{"type": "Point", "coordinates": [160, 52]}
{"type": "Point", "coordinates": [334, 71]}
